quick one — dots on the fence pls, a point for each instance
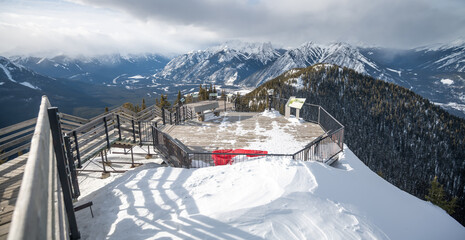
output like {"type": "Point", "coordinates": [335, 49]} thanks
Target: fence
{"type": "Point", "coordinates": [326, 147]}
{"type": "Point", "coordinates": [42, 208]}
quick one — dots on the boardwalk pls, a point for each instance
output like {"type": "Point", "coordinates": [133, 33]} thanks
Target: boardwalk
{"type": "Point", "coordinates": [239, 130]}
{"type": "Point", "coordinates": [11, 175]}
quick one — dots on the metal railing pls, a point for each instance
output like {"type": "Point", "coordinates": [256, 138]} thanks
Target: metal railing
{"type": "Point", "coordinates": [42, 208]}
{"type": "Point", "coordinates": [324, 148]}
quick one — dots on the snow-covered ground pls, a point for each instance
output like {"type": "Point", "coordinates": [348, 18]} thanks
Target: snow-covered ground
{"type": "Point", "coordinates": [263, 198]}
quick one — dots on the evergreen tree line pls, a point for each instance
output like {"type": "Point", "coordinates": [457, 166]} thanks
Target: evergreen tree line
{"type": "Point", "coordinates": [395, 132]}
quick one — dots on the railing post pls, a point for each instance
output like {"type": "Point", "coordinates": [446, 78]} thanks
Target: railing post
{"type": "Point", "coordinates": [106, 131]}
{"type": "Point", "coordinates": [319, 110]}
{"type": "Point", "coordinates": [140, 135]}
{"type": "Point", "coordinates": [225, 103]}
{"type": "Point", "coordinates": [163, 115]}
{"type": "Point", "coordinates": [184, 113]}
{"type": "Point", "coordinates": [119, 127]}
{"type": "Point", "coordinates": [171, 118]}
{"type": "Point", "coordinates": [133, 132]}
{"type": "Point", "coordinates": [270, 100]}
{"type": "Point", "coordinates": [62, 171]}
{"type": "Point", "coordinates": [78, 156]}
{"type": "Point", "coordinates": [76, 193]}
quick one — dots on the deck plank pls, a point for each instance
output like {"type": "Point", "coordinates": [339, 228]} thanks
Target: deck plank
{"type": "Point", "coordinates": [11, 175]}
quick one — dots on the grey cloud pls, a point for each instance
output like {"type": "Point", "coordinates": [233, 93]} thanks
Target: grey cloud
{"type": "Point", "coordinates": [394, 23]}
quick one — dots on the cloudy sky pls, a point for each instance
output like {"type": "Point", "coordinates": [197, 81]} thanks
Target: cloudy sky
{"type": "Point", "coordinates": [73, 27]}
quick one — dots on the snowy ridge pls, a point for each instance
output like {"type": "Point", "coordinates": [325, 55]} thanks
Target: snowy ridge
{"type": "Point", "coordinates": [7, 73]}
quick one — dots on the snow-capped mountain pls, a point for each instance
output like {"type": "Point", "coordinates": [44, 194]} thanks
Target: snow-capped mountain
{"type": "Point", "coordinates": [226, 64]}
{"type": "Point", "coordinates": [308, 54]}
{"type": "Point", "coordinates": [99, 69]}
{"type": "Point", "coordinates": [21, 90]}
{"type": "Point", "coordinates": [446, 57]}
{"type": "Point", "coordinates": [427, 71]}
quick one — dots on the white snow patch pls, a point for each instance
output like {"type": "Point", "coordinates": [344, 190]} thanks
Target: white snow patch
{"type": "Point", "coordinates": [271, 114]}
{"type": "Point", "coordinates": [1, 83]}
{"type": "Point", "coordinates": [7, 73]}
{"type": "Point", "coordinates": [27, 84]}
{"type": "Point", "coordinates": [453, 105]}
{"type": "Point", "coordinates": [446, 81]}
{"type": "Point", "coordinates": [231, 79]}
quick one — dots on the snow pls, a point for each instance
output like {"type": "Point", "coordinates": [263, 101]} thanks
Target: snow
{"type": "Point", "coordinates": [395, 71]}
{"type": "Point", "coordinates": [1, 83]}
{"type": "Point", "coordinates": [27, 84]}
{"type": "Point", "coordinates": [266, 198]}
{"type": "Point", "coordinates": [7, 73]}
{"type": "Point", "coordinates": [137, 77]}
{"type": "Point", "coordinates": [231, 79]}
{"type": "Point", "coordinates": [453, 105]}
{"type": "Point", "coordinates": [446, 81]}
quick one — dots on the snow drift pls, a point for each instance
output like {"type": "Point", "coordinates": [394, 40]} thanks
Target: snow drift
{"type": "Point", "coordinates": [266, 198]}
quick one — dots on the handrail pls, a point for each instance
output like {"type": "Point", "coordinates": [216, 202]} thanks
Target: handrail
{"type": "Point", "coordinates": [40, 202]}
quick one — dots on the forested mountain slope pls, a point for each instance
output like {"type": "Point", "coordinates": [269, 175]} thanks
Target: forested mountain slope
{"type": "Point", "coordinates": [395, 132]}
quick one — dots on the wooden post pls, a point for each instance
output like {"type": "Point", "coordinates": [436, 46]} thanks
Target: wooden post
{"type": "Point", "coordinates": [171, 118]}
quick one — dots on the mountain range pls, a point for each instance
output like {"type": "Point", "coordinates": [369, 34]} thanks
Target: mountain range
{"type": "Point", "coordinates": [436, 72]}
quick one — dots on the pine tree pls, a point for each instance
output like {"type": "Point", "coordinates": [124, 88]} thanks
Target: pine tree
{"type": "Point", "coordinates": [436, 195]}
{"type": "Point", "coordinates": [129, 106]}
{"type": "Point", "coordinates": [106, 109]}
{"type": "Point", "coordinates": [143, 104]}
{"type": "Point", "coordinates": [178, 99]}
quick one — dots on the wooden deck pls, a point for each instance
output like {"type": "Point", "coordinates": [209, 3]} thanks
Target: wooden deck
{"type": "Point", "coordinates": [238, 130]}
{"type": "Point", "coordinates": [11, 175]}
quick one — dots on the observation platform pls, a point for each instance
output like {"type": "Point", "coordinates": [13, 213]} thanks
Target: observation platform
{"type": "Point", "coordinates": [246, 130]}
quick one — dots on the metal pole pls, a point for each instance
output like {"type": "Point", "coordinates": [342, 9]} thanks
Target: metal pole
{"type": "Point", "coordinates": [184, 113]}
{"type": "Point", "coordinates": [72, 168]}
{"type": "Point", "coordinates": [60, 157]}
{"type": "Point", "coordinates": [132, 159]}
{"type": "Point", "coordinates": [106, 131]}
{"type": "Point", "coordinates": [103, 162]}
{"type": "Point", "coordinates": [78, 156]}
{"type": "Point", "coordinates": [153, 137]}
{"type": "Point", "coordinates": [133, 132]}
{"type": "Point", "coordinates": [319, 108]}
{"type": "Point", "coordinates": [171, 118]}
{"type": "Point", "coordinates": [119, 127]}
{"type": "Point", "coordinates": [225, 103]}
